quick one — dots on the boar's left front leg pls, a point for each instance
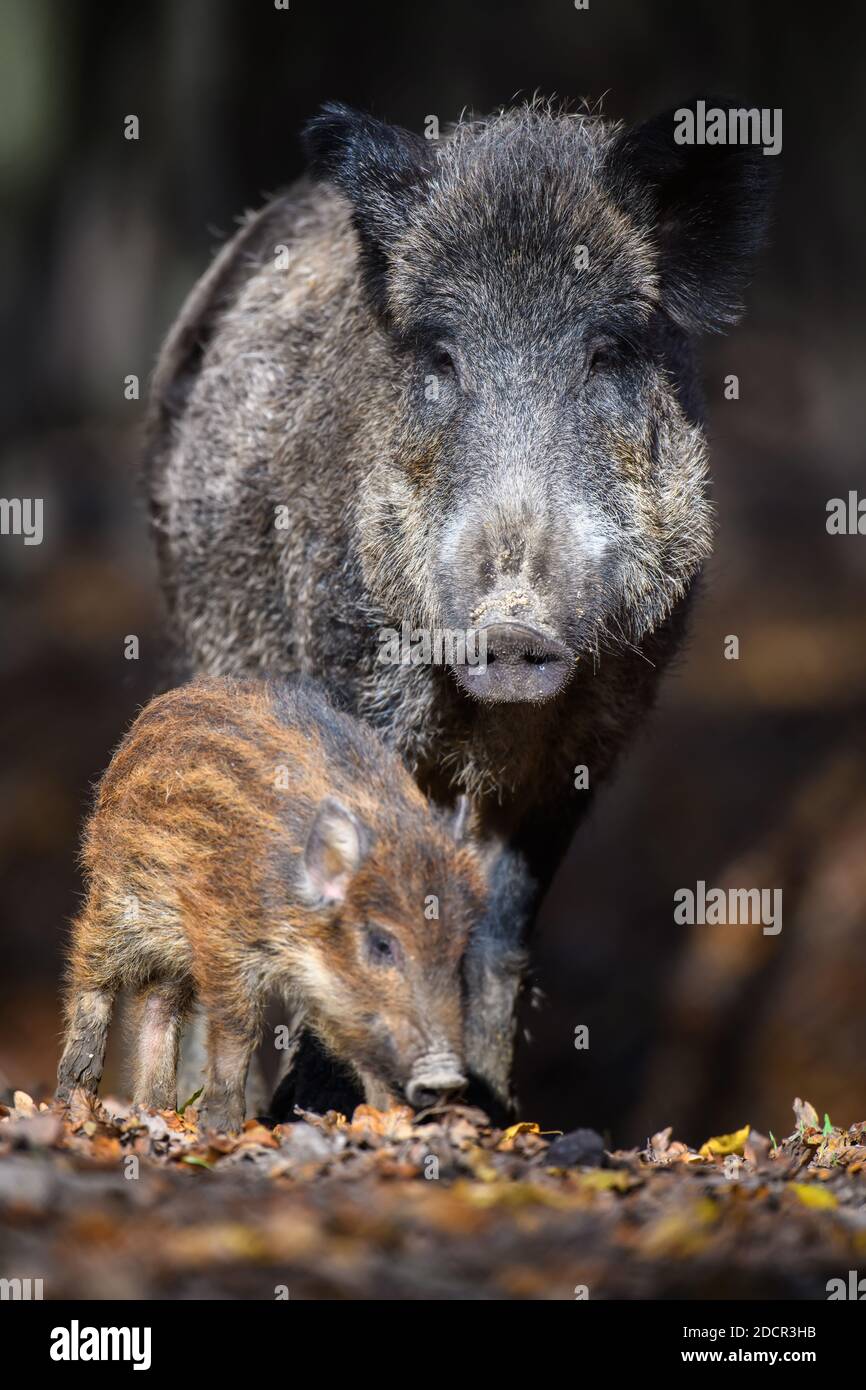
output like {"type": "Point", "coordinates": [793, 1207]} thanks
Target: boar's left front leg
{"type": "Point", "coordinates": [495, 962]}
{"type": "Point", "coordinates": [493, 970]}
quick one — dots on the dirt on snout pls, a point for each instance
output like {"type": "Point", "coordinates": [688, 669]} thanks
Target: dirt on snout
{"type": "Point", "coordinates": [108, 1201]}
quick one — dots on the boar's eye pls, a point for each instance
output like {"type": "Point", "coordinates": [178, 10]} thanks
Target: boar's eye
{"type": "Point", "coordinates": [381, 947]}
{"type": "Point", "coordinates": [602, 357]}
{"type": "Point", "coordinates": [443, 362]}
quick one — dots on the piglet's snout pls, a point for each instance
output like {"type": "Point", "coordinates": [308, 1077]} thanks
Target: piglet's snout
{"type": "Point", "coordinates": [435, 1078]}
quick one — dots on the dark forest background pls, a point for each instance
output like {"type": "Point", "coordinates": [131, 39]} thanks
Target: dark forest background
{"type": "Point", "coordinates": [750, 773]}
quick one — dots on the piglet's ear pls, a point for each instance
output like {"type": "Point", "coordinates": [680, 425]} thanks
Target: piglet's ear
{"type": "Point", "coordinates": [707, 206]}
{"type": "Point", "coordinates": [337, 846]}
{"type": "Point", "coordinates": [380, 168]}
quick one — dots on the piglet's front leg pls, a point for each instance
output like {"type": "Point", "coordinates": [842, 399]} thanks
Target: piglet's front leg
{"type": "Point", "coordinates": [378, 1094]}
{"type": "Point", "coordinates": [230, 1047]}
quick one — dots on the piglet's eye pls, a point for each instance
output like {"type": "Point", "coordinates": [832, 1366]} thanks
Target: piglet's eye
{"type": "Point", "coordinates": [382, 949]}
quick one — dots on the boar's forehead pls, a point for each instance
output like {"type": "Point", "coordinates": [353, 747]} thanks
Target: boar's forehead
{"type": "Point", "coordinates": [518, 234]}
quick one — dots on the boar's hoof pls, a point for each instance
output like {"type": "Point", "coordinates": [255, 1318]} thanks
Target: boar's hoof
{"type": "Point", "coordinates": [522, 666]}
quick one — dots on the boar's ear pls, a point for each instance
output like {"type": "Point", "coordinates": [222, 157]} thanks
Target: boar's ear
{"type": "Point", "coordinates": [337, 845]}
{"type": "Point", "coordinates": [380, 168]}
{"type": "Point", "coordinates": [709, 208]}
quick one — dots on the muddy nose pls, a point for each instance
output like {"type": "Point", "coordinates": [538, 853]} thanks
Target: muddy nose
{"type": "Point", "coordinates": [430, 1088]}
{"type": "Point", "coordinates": [522, 666]}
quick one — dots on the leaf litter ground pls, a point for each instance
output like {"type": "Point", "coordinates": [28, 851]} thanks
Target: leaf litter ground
{"type": "Point", "coordinates": [104, 1200]}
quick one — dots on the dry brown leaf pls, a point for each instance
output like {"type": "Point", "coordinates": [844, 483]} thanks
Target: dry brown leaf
{"type": "Point", "coordinates": [395, 1123]}
{"type": "Point", "coordinates": [806, 1115]}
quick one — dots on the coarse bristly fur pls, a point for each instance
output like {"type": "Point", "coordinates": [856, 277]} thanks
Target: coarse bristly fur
{"type": "Point", "coordinates": [471, 384]}
{"type": "Point", "coordinates": [247, 839]}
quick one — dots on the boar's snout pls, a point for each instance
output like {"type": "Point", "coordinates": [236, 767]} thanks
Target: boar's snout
{"type": "Point", "coordinates": [522, 665]}
{"type": "Point", "coordinates": [434, 1079]}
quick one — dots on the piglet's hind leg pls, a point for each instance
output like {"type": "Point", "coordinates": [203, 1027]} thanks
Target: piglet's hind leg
{"type": "Point", "coordinates": [164, 1009]}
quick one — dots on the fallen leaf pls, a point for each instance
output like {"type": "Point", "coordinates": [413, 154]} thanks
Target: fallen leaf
{"type": "Point", "coordinates": [660, 1142]}
{"type": "Point", "coordinates": [806, 1115]}
{"type": "Point", "coordinates": [525, 1127]}
{"type": "Point", "coordinates": [395, 1123]}
{"type": "Point", "coordinates": [811, 1195]}
{"type": "Point", "coordinates": [724, 1144]}
{"type": "Point", "coordinates": [508, 1140]}
{"type": "Point", "coordinates": [756, 1148]}
{"type": "Point", "coordinates": [606, 1180]}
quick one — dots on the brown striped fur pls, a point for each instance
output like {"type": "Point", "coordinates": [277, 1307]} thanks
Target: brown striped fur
{"type": "Point", "coordinates": [197, 862]}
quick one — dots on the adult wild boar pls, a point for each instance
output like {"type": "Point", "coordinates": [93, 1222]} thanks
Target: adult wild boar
{"type": "Point", "coordinates": [452, 382]}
